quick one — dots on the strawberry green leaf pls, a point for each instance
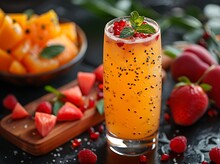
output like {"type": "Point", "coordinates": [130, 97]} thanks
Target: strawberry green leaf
{"type": "Point", "coordinates": [205, 87]}
{"type": "Point", "coordinates": [100, 106]}
{"type": "Point", "coordinates": [172, 51]}
{"type": "Point", "coordinates": [126, 32]}
{"type": "Point", "coordinates": [53, 90]}
{"type": "Point", "coordinates": [52, 51]}
{"type": "Point", "coordinates": [146, 28]}
{"type": "Point", "coordinates": [184, 79]}
{"type": "Point", "coordinates": [56, 107]}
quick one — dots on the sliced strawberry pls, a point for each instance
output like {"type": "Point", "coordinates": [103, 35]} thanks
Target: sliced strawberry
{"type": "Point", "coordinates": [86, 81]}
{"type": "Point", "coordinates": [99, 73]}
{"type": "Point", "coordinates": [44, 123]}
{"type": "Point", "coordinates": [73, 95]}
{"type": "Point", "coordinates": [19, 112]}
{"type": "Point", "coordinates": [69, 112]}
{"type": "Point", "coordinates": [10, 101]}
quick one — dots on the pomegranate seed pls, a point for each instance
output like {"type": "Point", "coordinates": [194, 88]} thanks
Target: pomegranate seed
{"type": "Point", "coordinates": [143, 158]}
{"type": "Point", "coordinates": [137, 35]}
{"type": "Point", "coordinates": [100, 128]}
{"type": "Point", "coordinates": [144, 35]}
{"type": "Point", "coordinates": [167, 117]}
{"type": "Point", "coordinates": [117, 32]}
{"type": "Point", "coordinates": [100, 86]}
{"type": "Point", "coordinates": [206, 35]}
{"type": "Point", "coordinates": [91, 102]}
{"type": "Point", "coordinates": [122, 23]}
{"type": "Point", "coordinates": [120, 44]}
{"type": "Point", "coordinates": [76, 143]}
{"type": "Point", "coordinates": [202, 43]}
{"type": "Point", "coordinates": [99, 95]}
{"type": "Point", "coordinates": [83, 108]}
{"type": "Point", "coordinates": [91, 130]}
{"type": "Point", "coordinates": [144, 22]}
{"type": "Point", "coordinates": [212, 113]}
{"type": "Point", "coordinates": [165, 157]}
{"type": "Point", "coordinates": [157, 37]}
{"type": "Point", "coordinates": [214, 154]}
{"type": "Point", "coordinates": [116, 23]}
{"type": "Point", "coordinates": [204, 162]}
{"type": "Point", "coordinates": [94, 135]}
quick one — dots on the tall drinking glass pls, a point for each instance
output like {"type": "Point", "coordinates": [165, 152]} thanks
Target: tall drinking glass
{"type": "Point", "coordinates": [132, 88]}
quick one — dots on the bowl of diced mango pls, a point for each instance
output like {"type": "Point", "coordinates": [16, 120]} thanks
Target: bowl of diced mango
{"type": "Point", "coordinates": [35, 49]}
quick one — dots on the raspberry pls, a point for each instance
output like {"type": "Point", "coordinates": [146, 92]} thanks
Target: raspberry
{"type": "Point", "coordinates": [86, 156]}
{"type": "Point", "coordinates": [143, 158]}
{"type": "Point", "coordinates": [44, 107]}
{"type": "Point", "coordinates": [165, 157]}
{"type": "Point", "coordinates": [10, 101]}
{"type": "Point", "coordinates": [178, 144]}
{"type": "Point", "coordinates": [214, 155]}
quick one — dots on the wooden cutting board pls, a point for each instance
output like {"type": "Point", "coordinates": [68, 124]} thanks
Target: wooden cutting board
{"type": "Point", "coordinates": [24, 135]}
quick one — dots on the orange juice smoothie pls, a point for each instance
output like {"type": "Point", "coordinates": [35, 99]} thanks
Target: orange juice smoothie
{"type": "Point", "coordinates": [132, 83]}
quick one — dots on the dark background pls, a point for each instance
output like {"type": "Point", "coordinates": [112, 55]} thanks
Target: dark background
{"type": "Point", "coordinates": [203, 134]}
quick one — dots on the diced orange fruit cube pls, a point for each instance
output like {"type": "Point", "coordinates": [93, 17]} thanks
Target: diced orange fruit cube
{"type": "Point", "coordinates": [69, 29]}
{"type": "Point", "coordinates": [20, 18]}
{"type": "Point", "coordinates": [21, 49]}
{"type": "Point", "coordinates": [2, 16]}
{"type": "Point", "coordinates": [43, 27]}
{"type": "Point", "coordinates": [10, 34]}
{"type": "Point", "coordinates": [17, 68]}
{"type": "Point", "coordinates": [5, 61]}
{"type": "Point", "coordinates": [69, 52]}
{"type": "Point", "coordinates": [34, 64]}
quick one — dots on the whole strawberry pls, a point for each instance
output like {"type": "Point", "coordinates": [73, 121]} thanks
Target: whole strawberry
{"type": "Point", "coordinates": [214, 155]}
{"type": "Point", "coordinates": [188, 103]}
{"type": "Point", "coordinates": [86, 156]}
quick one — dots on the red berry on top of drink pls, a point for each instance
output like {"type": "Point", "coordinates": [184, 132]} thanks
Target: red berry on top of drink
{"type": "Point", "coordinates": [118, 27]}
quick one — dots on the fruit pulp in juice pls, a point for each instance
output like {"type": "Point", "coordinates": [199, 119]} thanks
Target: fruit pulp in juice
{"type": "Point", "coordinates": [132, 85]}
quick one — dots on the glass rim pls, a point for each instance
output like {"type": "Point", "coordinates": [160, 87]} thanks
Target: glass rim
{"type": "Point", "coordinates": [151, 21]}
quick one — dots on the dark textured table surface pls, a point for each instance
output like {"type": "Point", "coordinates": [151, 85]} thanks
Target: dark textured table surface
{"type": "Point", "coordinates": [201, 136]}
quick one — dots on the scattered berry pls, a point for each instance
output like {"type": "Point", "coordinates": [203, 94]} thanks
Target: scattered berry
{"type": "Point", "coordinates": [86, 156]}
{"type": "Point", "coordinates": [91, 102]}
{"type": "Point", "coordinates": [94, 135]}
{"type": "Point", "coordinates": [165, 157]}
{"type": "Point", "coordinates": [204, 162]}
{"type": "Point", "coordinates": [212, 112]}
{"type": "Point", "coordinates": [99, 95]}
{"type": "Point", "coordinates": [118, 27]}
{"type": "Point", "coordinates": [91, 130]}
{"type": "Point", "coordinates": [214, 155]}
{"type": "Point", "coordinates": [178, 144]}
{"type": "Point", "coordinates": [10, 101]}
{"type": "Point", "coordinates": [143, 158]}
{"type": "Point", "coordinates": [100, 128]}
{"type": "Point", "coordinates": [83, 108]}
{"type": "Point", "coordinates": [44, 107]}
{"type": "Point", "coordinates": [120, 44]}
{"type": "Point", "coordinates": [167, 117]}
{"type": "Point", "coordinates": [76, 143]}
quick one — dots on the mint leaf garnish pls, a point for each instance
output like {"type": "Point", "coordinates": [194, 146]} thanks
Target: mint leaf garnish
{"type": "Point", "coordinates": [100, 106]}
{"type": "Point", "coordinates": [53, 90]}
{"type": "Point", "coordinates": [127, 32]}
{"type": "Point", "coordinates": [135, 19]}
{"type": "Point", "coordinates": [138, 25]}
{"type": "Point", "coordinates": [206, 87]}
{"type": "Point", "coordinates": [146, 29]}
{"type": "Point", "coordinates": [52, 51]}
